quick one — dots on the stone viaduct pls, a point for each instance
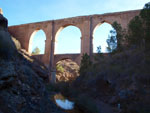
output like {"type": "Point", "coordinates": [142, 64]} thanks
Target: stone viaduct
{"type": "Point", "coordinates": [87, 25]}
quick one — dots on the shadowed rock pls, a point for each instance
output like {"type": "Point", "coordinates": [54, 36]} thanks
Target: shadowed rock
{"type": "Point", "coordinates": [7, 47]}
{"type": "Point", "coordinates": [22, 90]}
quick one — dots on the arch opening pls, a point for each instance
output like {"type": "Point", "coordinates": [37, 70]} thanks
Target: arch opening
{"type": "Point", "coordinates": [104, 38]}
{"type": "Point", "coordinates": [37, 42]}
{"type": "Point", "coordinates": [66, 70]}
{"type": "Point", "coordinates": [67, 40]}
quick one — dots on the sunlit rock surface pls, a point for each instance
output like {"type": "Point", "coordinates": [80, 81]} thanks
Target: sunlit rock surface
{"type": "Point", "coordinates": [67, 70]}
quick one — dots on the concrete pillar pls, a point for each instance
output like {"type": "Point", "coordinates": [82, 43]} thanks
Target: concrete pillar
{"type": "Point", "coordinates": [47, 50]}
{"type": "Point", "coordinates": [86, 40]}
{"type": "Point", "coordinates": [85, 45]}
{"type": "Point", "coordinates": [53, 76]}
{"type": "Point", "coordinates": [52, 47]}
{"type": "Point", "coordinates": [51, 63]}
{"type": "Point", "coordinates": [91, 36]}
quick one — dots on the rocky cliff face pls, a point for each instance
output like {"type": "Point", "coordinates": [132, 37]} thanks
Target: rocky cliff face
{"type": "Point", "coordinates": [22, 90]}
{"type": "Point", "coordinates": [67, 70]}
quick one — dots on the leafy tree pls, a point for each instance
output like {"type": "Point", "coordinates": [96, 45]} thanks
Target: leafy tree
{"type": "Point", "coordinates": [116, 40]}
{"type": "Point", "coordinates": [145, 16]}
{"type": "Point", "coordinates": [99, 49]}
{"type": "Point", "coordinates": [112, 41]}
{"type": "Point", "coordinates": [135, 32]}
{"type": "Point", "coordinates": [36, 51]}
{"type": "Point", "coordinates": [139, 29]}
{"type": "Point", "coordinates": [120, 36]}
{"type": "Point", "coordinates": [85, 64]}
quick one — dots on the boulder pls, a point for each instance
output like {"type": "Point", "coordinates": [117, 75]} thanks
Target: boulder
{"type": "Point", "coordinates": [7, 47]}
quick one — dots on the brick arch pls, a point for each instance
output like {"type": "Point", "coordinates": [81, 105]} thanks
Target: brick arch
{"type": "Point", "coordinates": [73, 57]}
{"type": "Point", "coordinates": [59, 29]}
{"type": "Point", "coordinates": [96, 26]}
{"type": "Point", "coordinates": [32, 34]}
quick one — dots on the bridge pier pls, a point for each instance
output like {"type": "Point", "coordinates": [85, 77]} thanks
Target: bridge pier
{"type": "Point", "coordinates": [52, 77]}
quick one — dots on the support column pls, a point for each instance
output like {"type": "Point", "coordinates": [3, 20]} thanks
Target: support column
{"type": "Point", "coordinates": [91, 36]}
{"type": "Point", "coordinates": [52, 73]}
{"type": "Point", "coordinates": [86, 39]}
{"type": "Point", "coordinates": [53, 76]}
{"type": "Point", "coordinates": [47, 50]}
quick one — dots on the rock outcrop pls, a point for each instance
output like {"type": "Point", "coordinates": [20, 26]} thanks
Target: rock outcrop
{"type": "Point", "coordinates": [7, 47]}
{"type": "Point", "coordinates": [67, 70]}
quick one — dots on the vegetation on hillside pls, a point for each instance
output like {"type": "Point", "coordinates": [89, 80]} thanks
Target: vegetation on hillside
{"type": "Point", "coordinates": [138, 29]}
{"type": "Point", "coordinates": [119, 81]}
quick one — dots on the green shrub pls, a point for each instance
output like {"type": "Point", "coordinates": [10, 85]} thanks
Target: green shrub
{"type": "Point", "coordinates": [138, 29]}
{"type": "Point", "coordinates": [59, 68]}
{"type": "Point", "coordinates": [85, 65]}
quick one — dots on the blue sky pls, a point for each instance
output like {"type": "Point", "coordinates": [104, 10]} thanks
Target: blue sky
{"type": "Point", "coordinates": [72, 36]}
{"type": "Point", "coordinates": [28, 11]}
